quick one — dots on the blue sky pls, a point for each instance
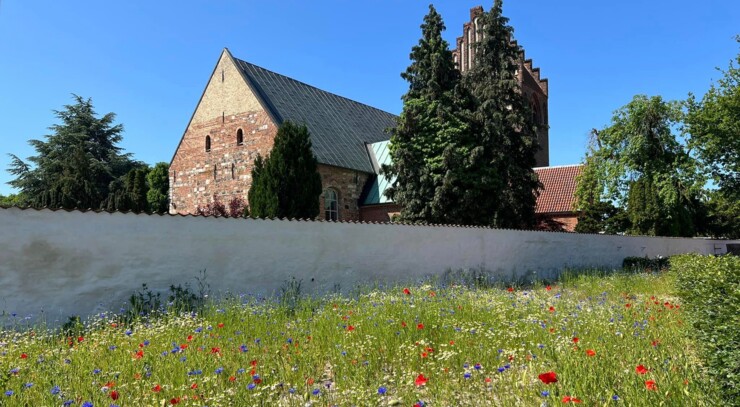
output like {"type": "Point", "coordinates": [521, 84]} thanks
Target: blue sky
{"type": "Point", "coordinates": [148, 61]}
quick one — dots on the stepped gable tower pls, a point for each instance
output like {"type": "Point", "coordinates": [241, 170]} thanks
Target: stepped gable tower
{"type": "Point", "coordinates": [534, 87]}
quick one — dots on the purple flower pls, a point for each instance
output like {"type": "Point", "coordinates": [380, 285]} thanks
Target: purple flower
{"type": "Point", "coordinates": [477, 366]}
{"type": "Point", "coordinates": [251, 386]}
{"type": "Point", "coordinates": [382, 390]}
{"type": "Point", "coordinates": [467, 375]}
{"type": "Point", "coordinates": [9, 393]}
{"type": "Point", "coordinates": [55, 390]}
{"type": "Point", "coordinates": [316, 392]}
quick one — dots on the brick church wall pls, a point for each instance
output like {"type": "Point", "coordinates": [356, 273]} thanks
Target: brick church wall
{"type": "Point", "coordinates": [348, 184]}
{"type": "Point", "coordinates": [197, 175]}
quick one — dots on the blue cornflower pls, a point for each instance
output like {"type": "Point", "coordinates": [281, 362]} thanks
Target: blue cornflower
{"type": "Point", "coordinates": [467, 375]}
{"type": "Point", "coordinates": [615, 397]}
{"type": "Point", "coordinates": [112, 347]}
{"type": "Point", "coordinates": [96, 371]}
{"type": "Point", "coordinates": [55, 390]}
{"type": "Point", "coordinates": [9, 393]}
{"type": "Point", "coordinates": [477, 366]}
{"type": "Point", "coordinates": [195, 372]}
{"type": "Point", "coordinates": [87, 404]}
{"type": "Point", "coordinates": [68, 403]}
{"type": "Point", "coordinates": [240, 371]}
{"type": "Point", "coordinates": [165, 353]}
{"type": "Point", "coordinates": [257, 341]}
{"type": "Point", "coordinates": [290, 340]}
{"type": "Point", "coordinates": [316, 392]}
{"type": "Point", "coordinates": [29, 385]}
{"type": "Point", "coordinates": [291, 390]}
{"type": "Point", "coordinates": [344, 353]}
{"type": "Point", "coordinates": [198, 329]}
{"type": "Point", "coordinates": [382, 390]}
{"type": "Point", "coordinates": [501, 370]}
{"type": "Point", "coordinates": [243, 348]}
{"type": "Point", "coordinates": [15, 370]}
{"type": "Point", "coordinates": [465, 365]}
{"type": "Point", "coordinates": [507, 366]}
{"type": "Point", "coordinates": [184, 358]}
{"type": "Point", "coordinates": [146, 343]}
{"type": "Point", "coordinates": [251, 386]}
{"type": "Point", "coordinates": [219, 370]}
{"type": "Point", "coordinates": [129, 332]}
{"type": "Point", "coordinates": [256, 377]}
{"type": "Point", "coordinates": [545, 393]}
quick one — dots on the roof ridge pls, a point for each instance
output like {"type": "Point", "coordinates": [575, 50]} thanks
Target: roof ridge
{"type": "Point", "coordinates": [558, 166]}
{"type": "Point", "coordinates": [315, 87]}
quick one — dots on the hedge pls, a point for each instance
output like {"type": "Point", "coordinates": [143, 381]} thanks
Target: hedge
{"type": "Point", "coordinates": [710, 289]}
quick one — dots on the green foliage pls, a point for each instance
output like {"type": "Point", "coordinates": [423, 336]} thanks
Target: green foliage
{"type": "Point", "coordinates": [423, 140]}
{"type": "Point", "coordinates": [464, 148]}
{"type": "Point", "coordinates": [290, 295]}
{"type": "Point", "coordinates": [287, 183]}
{"type": "Point", "coordinates": [723, 215]}
{"type": "Point", "coordinates": [158, 180]}
{"type": "Point", "coordinates": [75, 165]}
{"type": "Point", "coordinates": [642, 264]}
{"type": "Point", "coordinates": [638, 163]}
{"type": "Point", "coordinates": [710, 289]}
{"type": "Point", "coordinates": [714, 125]}
{"type": "Point", "coordinates": [129, 193]}
{"type": "Point", "coordinates": [501, 185]}
{"type": "Point", "coordinates": [13, 200]}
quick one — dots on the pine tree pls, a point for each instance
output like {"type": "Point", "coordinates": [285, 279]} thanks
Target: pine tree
{"type": "Point", "coordinates": [426, 131]}
{"type": "Point", "coordinates": [501, 188]}
{"type": "Point", "coordinates": [286, 184]}
{"type": "Point", "coordinates": [159, 185]}
{"type": "Point", "coordinates": [76, 164]}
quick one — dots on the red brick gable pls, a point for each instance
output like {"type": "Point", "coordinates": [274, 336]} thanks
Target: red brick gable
{"type": "Point", "coordinates": [559, 190]}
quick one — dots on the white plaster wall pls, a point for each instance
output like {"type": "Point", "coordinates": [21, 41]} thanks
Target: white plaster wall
{"type": "Point", "coordinates": [57, 264]}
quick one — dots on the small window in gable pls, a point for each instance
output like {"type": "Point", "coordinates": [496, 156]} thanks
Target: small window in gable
{"type": "Point", "coordinates": [331, 205]}
{"type": "Point", "coordinates": [239, 137]}
{"type": "Point", "coordinates": [208, 143]}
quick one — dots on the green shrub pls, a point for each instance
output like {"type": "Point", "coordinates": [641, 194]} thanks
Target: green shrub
{"type": "Point", "coordinates": [640, 264]}
{"type": "Point", "coordinates": [710, 289]}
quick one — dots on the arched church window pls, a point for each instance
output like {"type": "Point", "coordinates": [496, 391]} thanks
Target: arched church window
{"type": "Point", "coordinates": [239, 137]}
{"type": "Point", "coordinates": [208, 143]}
{"type": "Point", "coordinates": [331, 205]}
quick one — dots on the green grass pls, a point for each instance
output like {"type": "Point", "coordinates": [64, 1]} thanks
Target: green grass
{"type": "Point", "coordinates": [343, 351]}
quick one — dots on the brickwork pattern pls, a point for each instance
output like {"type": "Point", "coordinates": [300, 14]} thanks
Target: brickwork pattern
{"type": "Point", "coordinates": [348, 184]}
{"type": "Point", "coordinates": [196, 175]}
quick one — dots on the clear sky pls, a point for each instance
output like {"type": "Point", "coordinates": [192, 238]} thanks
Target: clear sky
{"type": "Point", "coordinates": [148, 61]}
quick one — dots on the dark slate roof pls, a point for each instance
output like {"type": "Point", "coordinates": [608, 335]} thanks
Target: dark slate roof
{"type": "Point", "coordinates": [339, 127]}
{"type": "Point", "coordinates": [558, 194]}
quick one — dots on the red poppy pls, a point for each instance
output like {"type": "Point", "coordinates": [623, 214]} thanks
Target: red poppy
{"type": "Point", "coordinates": [552, 309]}
{"type": "Point", "coordinates": [650, 385]}
{"type": "Point", "coordinates": [220, 325]}
{"type": "Point", "coordinates": [640, 369]}
{"type": "Point", "coordinates": [184, 346]}
{"type": "Point", "coordinates": [424, 354]}
{"type": "Point", "coordinates": [309, 381]}
{"type": "Point", "coordinates": [407, 291]}
{"type": "Point", "coordinates": [24, 356]}
{"type": "Point", "coordinates": [628, 305]}
{"type": "Point", "coordinates": [253, 363]}
{"type": "Point", "coordinates": [350, 328]}
{"type": "Point", "coordinates": [114, 395]}
{"type": "Point", "coordinates": [80, 339]}
{"type": "Point", "coordinates": [139, 354]}
{"type": "Point", "coordinates": [590, 352]}
{"type": "Point", "coordinates": [575, 339]}
{"type": "Point", "coordinates": [190, 338]}
{"type": "Point", "coordinates": [510, 289]}
{"type": "Point", "coordinates": [175, 400]}
{"type": "Point", "coordinates": [216, 350]}
{"type": "Point", "coordinates": [232, 378]}
{"type": "Point", "coordinates": [403, 324]}
{"type": "Point", "coordinates": [157, 388]}
{"type": "Point", "coordinates": [432, 294]}
{"type": "Point", "coordinates": [569, 399]}
{"type": "Point", "coordinates": [194, 386]}
{"type": "Point", "coordinates": [488, 380]}
{"type": "Point", "coordinates": [548, 377]}
{"type": "Point", "coordinates": [420, 326]}
{"type": "Point", "coordinates": [548, 288]}
{"type": "Point", "coordinates": [452, 343]}
{"type": "Point", "coordinates": [257, 380]}
{"type": "Point", "coordinates": [420, 380]}
{"type": "Point", "coordinates": [110, 385]}
{"type": "Point", "coordinates": [655, 342]}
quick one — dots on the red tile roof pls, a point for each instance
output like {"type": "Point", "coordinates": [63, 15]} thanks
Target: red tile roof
{"type": "Point", "coordinates": [559, 188]}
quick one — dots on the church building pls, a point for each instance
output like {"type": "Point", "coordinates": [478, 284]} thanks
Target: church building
{"type": "Point", "coordinates": [243, 105]}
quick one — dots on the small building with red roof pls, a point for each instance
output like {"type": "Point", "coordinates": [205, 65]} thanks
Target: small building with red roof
{"type": "Point", "coordinates": [555, 208]}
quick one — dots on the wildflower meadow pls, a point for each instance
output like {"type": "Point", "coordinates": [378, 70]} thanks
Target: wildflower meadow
{"type": "Point", "coordinates": [593, 339]}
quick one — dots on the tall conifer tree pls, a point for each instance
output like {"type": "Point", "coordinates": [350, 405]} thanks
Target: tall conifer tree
{"type": "Point", "coordinates": [426, 131]}
{"type": "Point", "coordinates": [502, 185]}
{"type": "Point", "coordinates": [286, 184]}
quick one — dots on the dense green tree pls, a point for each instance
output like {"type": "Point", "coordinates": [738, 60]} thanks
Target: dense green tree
{"type": "Point", "coordinates": [714, 126]}
{"type": "Point", "coordinates": [640, 163]}
{"type": "Point", "coordinates": [13, 200]}
{"type": "Point", "coordinates": [158, 180]}
{"type": "Point", "coordinates": [286, 184]}
{"type": "Point", "coordinates": [501, 185]}
{"type": "Point", "coordinates": [76, 164]}
{"type": "Point", "coordinates": [427, 130]}
{"type": "Point", "coordinates": [129, 193]}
